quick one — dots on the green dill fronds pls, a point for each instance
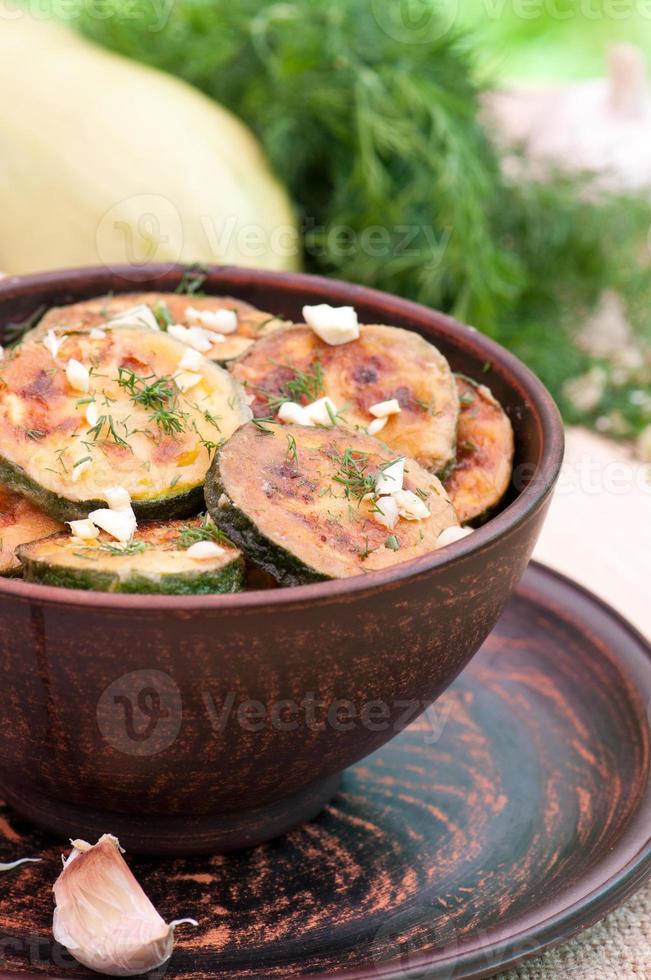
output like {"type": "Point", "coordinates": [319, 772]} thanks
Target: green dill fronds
{"type": "Point", "coordinates": [193, 280]}
{"type": "Point", "coordinates": [159, 394]}
{"type": "Point", "coordinates": [291, 456]}
{"type": "Point", "coordinates": [303, 386]}
{"type": "Point", "coordinates": [190, 534]}
{"type": "Point", "coordinates": [163, 316]}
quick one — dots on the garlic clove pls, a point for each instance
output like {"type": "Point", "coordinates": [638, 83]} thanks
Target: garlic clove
{"type": "Point", "coordinates": [136, 316]}
{"type": "Point", "coordinates": [389, 478]}
{"type": "Point", "coordinates": [104, 918]}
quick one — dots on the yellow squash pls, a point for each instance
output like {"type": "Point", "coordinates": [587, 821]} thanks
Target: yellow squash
{"type": "Point", "coordinates": [104, 161]}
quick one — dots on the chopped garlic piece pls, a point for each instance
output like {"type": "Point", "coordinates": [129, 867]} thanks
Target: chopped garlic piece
{"type": "Point", "coordinates": [191, 361]}
{"type": "Point", "coordinates": [194, 337]}
{"type": "Point", "coordinates": [118, 498]}
{"type": "Point", "coordinates": [386, 512]}
{"type": "Point", "coordinates": [103, 917]}
{"type": "Point", "coordinates": [322, 412]}
{"type": "Point", "coordinates": [376, 426]}
{"type": "Point", "coordinates": [120, 524]}
{"type": "Point", "coordinates": [92, 414]}
{"type": "Point", "coordinates": [223, 500]}
{"type": "Point", "coordinates": [335, 325]}
{"type": "Point", "coordinates": [410, 506]}
{"type": "Point", "coordinates": [294, 414]}
{"type": "Point", "coordinates": [452, 534]}
{"type": "Point", "coordinates": [222, 321]}
{"type": "Point", "coordinates": [85, 530]}
{"type": "Point", "coordinates": [204, 551]}
{"type": "Point", "coordinates": [97, 333]}
{"type": "Point", "coordinates": [382, 409]}
{"type": "Point", "coordinates": [52, 343]}
{"type": "Point", "coordinates": [80, 468]}
{"type": "Point", "coordinates": [2, 353]}
{"type": "Point", "coordinates": [185, 380]}
{"type": "Point", "coordinates": [78, 375]}
{"type": "Point", "coordinates": [389, 478]}
{"type": "Point", "coordinates": [200, 339]}
{"type": "Point", "coordinates": [137, 316]}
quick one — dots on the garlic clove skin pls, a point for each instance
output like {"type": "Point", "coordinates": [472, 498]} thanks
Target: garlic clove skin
{"type": "Point", "coordinates": [102, 915]}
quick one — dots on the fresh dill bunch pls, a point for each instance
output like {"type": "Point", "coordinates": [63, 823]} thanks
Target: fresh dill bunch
{"type": "Point", "coordinates": [396, 182]}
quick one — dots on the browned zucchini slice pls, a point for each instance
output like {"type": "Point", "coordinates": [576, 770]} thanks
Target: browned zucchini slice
{"type": "Point", "coordinates": [484, 464]}
{"type": "Point", "coordinates": [156, 560]}
{"type": "Point", "coordinates": [20, 522]}
{"type": "Point", "coordinates": [385, 363]}
{"type": "Point", "coordinates": [293, 499]}
{"type": "Point", "coordinates": [134, 427]}
{"type": "Point", "coordinates": [167, 308]}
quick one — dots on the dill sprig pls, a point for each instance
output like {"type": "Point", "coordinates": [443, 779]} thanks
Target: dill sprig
{"type": "Point", "coordinates": [163, 316]}
{"type": "Point", "coordinates": [352, 473]}
{"type": "Point", "coordinates": [159, 394]}
{"type": "Point", "coordinates": [192, 281]}
{"type": "Point", "coordinates": [130, 548]}
{"type": "Point", "coordinates": [306, 385]}
{"type": "Point", "coordinates": [107, 422]}
{"type": "Point", "coordinates": [291, 456]}
{"type": "Point", "coordinates": [190, 534]}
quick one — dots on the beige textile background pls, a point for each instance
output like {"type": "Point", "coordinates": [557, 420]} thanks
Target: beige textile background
{"type": "Point", "coordinates": [599, 533]}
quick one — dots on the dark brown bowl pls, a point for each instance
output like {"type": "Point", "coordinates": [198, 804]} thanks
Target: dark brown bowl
{"type": "Point", "coordinates": [209, 723]}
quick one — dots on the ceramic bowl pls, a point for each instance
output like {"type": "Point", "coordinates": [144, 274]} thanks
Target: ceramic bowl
{"type": "Point", "coordinates": [202, 724]}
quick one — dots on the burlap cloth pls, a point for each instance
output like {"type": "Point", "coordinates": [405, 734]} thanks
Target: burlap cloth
{"type": "Point", "coordinates": [601, 536]}
{"type": "Point", "coordinates": [618, 948]}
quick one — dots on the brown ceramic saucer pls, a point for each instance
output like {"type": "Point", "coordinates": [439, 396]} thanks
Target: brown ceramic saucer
{"type": "Point", "coordinates": [516, 812]}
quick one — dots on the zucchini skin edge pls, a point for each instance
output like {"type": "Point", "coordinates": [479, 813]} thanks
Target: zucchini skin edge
{"type": "Point", "coordinates": [230, 578]}
{"type": "Point", "coordinates": [183, 504]}
{"type": "Point", "coordinates": [285, 567]}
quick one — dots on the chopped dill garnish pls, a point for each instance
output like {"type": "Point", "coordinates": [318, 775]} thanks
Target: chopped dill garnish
{"type": "Point", "coordinates": [366, 550]}
{"type": "Point", "coordinates": [263, 425]}
{"type": "Point", "coordinates": [466, 399]}
{"type": "Point", "coordinates": [163, 316]}
{"type": "Point", "coordinates": [212, 419]}
{"type": "Point", "coordinates": [34, 434]}
{"type": "Point", "coordinates": [13, 332]}
{"type": "Point", "coordinates": [191, 534]}
{"type": "Point", "coordinates": [427, 406]}
{"type": "Point", "coordinates": [193, 280]}
{"type": "Point", "coordinates": [130, 548]}
{"type": "Point", "coordinates": [291, 456]}
{"type": "Point", "coordinates": [106, 422]}
{"type": "Point", "coordinates": [304, 384]}
{"type": "Point", "coordinates": [353, 474]}
{"type": "Point", "coordinates": [159, 394]}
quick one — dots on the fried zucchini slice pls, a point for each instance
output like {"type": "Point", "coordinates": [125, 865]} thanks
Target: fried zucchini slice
{"type": "Point", "coordinates": [484, 464]}
{"type": "Point", "coordinates": [155, 561]}
{"type": "Point", "coordinates": [294, 500]}
{"type": "Point", "coordinates": [293, 364]}
{"type": "Point", "coordinates": [20, 522]}
{"type": "Point", "coordinates": [167, 308]}
{"type": "Point", "coordinates": [134, 427]}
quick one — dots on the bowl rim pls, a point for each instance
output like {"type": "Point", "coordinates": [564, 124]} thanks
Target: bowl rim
{"type": "Point", "coordinates": [311, 287]}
